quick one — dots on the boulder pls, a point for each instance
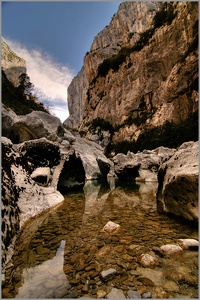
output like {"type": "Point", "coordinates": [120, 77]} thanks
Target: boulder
{"type": "Point", "coordinates": [95, 163]}
{"type": "Point", "coordinates": [178, 183]}
{"type": "Point", "coordinates": [35, 125]}
{"type": "Point", "coordinates": [142, 166]}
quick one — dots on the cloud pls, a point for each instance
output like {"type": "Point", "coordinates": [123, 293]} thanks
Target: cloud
{"type": "Point", "coordinates": [49, 77]}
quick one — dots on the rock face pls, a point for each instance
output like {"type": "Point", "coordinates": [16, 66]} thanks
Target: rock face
{"type": "Point", "coordinates": [178, 182]}
{"type": "Point", "coordinates": [152, 85]}
{"type": "Point", "coordinates": [142, 166]}
{"type": "Point", "coordinates": [12, 64]}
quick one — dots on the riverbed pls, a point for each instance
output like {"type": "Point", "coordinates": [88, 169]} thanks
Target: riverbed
{"type": "Point", "coordinates": [62, 252]}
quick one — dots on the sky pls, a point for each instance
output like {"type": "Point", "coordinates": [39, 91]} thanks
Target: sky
{"type": "Point", "coordinates": [53, 37]}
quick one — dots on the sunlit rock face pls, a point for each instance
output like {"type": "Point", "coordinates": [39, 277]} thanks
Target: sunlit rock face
{"type": "Point", "coordinates": [12, 64]}
{"type": "Point", "coordinates": [153, 85]}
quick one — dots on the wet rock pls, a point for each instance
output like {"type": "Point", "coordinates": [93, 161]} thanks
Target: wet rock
{"type": "Point", "coordinates": [188, 243]}
{"type": "Point", "coordinates": [108, 274]}
{"type": "Point", "coordinates": [116, 294]}
{"type": "Point", "coordinates": [155, 276]}
{"type": "Point", "coordinates": [133, 294]}
{"type": "Point", "coordinates": [171, 249]}
{"type": "Point", "coordinates": [105, 250]}
{"type": "Point", "coordinates": [119, 248]}
{"type": "Point", "coordinates": [159, 292]}
{"type": "Point", "coordinates": [127, 257]}
{"type": "Point", "coordinates": [111, 227]}
{"type": "Point", "coordinates": [171, 286]}
{"type": "Point", "coordinates": [147, 260]}
{"type": "Point", "coordinates": [101, 294]}
{"type": "Point", "coordinates": [146, 295]}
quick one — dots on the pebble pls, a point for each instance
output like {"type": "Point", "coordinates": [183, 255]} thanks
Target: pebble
{"type": "Point", "coordinates": [111, 227]}
{"type": "Point", "coordinates": [108, 274]}
{"type": "Point", "coordinates": [188, 243]}
{"type": "Point", "coordinates": [116, 294]}
{"type": "Point", "coordinates": [101, 294]}
{"type": "Point", "coordinates": [171, 249]}
{"type": "Point", "coordinates": [146, 295]}
{"type": "Point", "coordinates": [133, 294]}
{"type": "Point", "coordinates": [147, 260]}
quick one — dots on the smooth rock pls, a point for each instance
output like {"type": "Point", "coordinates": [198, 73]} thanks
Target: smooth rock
{"type": "Point", "coordinates": [101, 294]}
{"type": "Point", "coordinates": [178, 183]}
{"type": "Point", "coordinates": [188, 243]}
{"type": "Point", "coordinates": [155, 276]}
{"type": "Point", "coordinates": [159, 292]}
{"type": "Point", "coordinates": [108, 274]}
{"type": "Point", "coordinates": [147, 260]}
{"type": "Point", "coordinates": [171, 249]}
{"type": "Point", "coordinates": [133, 294]}
{"type": "Point", "coordinates": [116, 294]}
{"type": "Point", "coordinates": [111, 227]}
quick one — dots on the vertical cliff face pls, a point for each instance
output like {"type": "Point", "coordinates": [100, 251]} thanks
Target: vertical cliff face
{"type": "Point", "coordinates": [130, 20]}
{"type": "Point", "coordinates": [12, 65]}
{"type": "Point", "coordinates": [141, 71]}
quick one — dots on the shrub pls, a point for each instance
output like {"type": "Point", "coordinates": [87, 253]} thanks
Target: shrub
{"type": "Point", "coordinates": [15, 98]}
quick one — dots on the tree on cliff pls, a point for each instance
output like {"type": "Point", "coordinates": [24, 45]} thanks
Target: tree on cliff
{"type": "Point", "coordinates": [25, 86]}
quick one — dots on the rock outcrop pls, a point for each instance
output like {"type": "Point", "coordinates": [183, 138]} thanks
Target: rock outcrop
{"type": "Point", "coordinates": [154, 83]}
{"type": "Point", "coordinates": [12, 64]}
{"type": "Point", "coordinates": [142, 166]}
{"type": "Point", "coordinates": [178, 183]}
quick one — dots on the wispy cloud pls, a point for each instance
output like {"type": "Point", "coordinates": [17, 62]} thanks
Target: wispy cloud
{"type": "Point", "coordinates": [48, 76]}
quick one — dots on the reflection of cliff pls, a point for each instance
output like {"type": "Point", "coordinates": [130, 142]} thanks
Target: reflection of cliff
{"type": "Point", "coordinates": [45, 279]}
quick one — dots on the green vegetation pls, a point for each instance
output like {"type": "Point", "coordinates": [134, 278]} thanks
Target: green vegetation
{"type": "Point", "coordinates": [168, 135]}
{"type": "Point", "coordinates": [164, 16]}
{"type": "Point", "coordinates": [20, 99]}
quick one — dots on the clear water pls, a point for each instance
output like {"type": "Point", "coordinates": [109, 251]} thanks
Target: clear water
{"type": "Point", "coordinates": [61, 253]}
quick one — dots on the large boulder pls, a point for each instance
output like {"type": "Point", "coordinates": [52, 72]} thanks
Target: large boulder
{"type": "Point", "coordinates": [142, 166]}
{"type": "Point", "coordinates": [35, 125]}
{"type": "Point", "coordinates": [178, 183]}
{"type": "Point", "coordinates": [95, 163]}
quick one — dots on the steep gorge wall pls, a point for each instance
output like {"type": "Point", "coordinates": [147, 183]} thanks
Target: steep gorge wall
{"type": "Point", "coordinates": [130, 20]}
{"type": "Point", "coordinates": [155, 84]}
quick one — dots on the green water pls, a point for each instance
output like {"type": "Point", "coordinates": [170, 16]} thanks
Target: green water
{"type": "Point", "coordinates": [61, 253]}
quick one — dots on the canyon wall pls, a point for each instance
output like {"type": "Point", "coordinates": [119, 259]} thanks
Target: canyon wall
{"type": "Point", "coordinates": [155, 81]}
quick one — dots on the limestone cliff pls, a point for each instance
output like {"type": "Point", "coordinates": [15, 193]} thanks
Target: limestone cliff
{"type": "Point", "coordinates": [141, 70]}
{"type": "Point", "coordinates": [12, 65]}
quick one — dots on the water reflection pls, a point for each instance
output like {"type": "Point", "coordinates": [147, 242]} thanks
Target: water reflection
{"type": "Point", "coordinates": [64, 254]}
{"type": "Point", "coordinates": [40, 281]}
